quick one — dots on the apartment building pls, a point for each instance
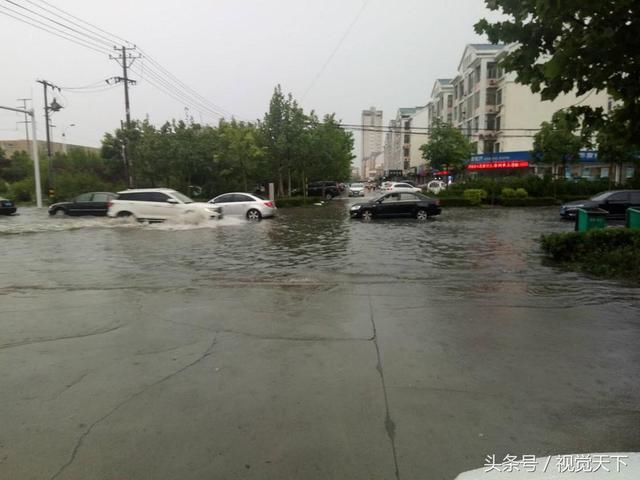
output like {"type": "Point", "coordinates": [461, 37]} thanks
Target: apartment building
{"type": "Point", "coordinates": [418, 137]}
{"type": "Point", "coordinates": [440, 107]}
{"type": "Point", "coordinates": [371, 137]}
{"type": "Point", "coordinates": [474, 95]}
{"type": "Point", "coordinates": [397, 146]}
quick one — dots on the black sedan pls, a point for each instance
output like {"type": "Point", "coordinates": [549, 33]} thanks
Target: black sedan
{"type": "Point", "coordinates": [615, 202]}
{"type": "Point", "coordinates": [7, 207]}
{"type": "Point", "coordinates": [92, 203]}
{"type": "Point", "coordinates": [397, 204]}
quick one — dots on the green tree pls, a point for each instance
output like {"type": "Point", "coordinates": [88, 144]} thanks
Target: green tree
{"type": "Point", "coordinates": [447, 148]}
{"type": "Point", "coordinates": [556, 144]}
{"type": "Point", "coordinates": [587, 45]}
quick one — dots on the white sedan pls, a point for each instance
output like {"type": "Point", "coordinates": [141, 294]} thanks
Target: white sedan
{"type": "Point", "coordinates": [403, 187]}
{"type": "Point", "coordinates": [245, 205]}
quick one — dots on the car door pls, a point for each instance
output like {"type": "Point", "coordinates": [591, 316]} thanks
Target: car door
{"type": "Point", "coordinates": [389, 205]}
{"type": "Point", "coordinates": [242, 203]}
{"type": "Point", "coordinates": [617, 204]}
{"type": "Point", "coordinates": [406, 204]}
{"type": "Point", "coordinates": [81, 205]}
{"type": "Point", "coordinates": [99, 203]}
{"type": "Point", "coordinates": [227, 202]}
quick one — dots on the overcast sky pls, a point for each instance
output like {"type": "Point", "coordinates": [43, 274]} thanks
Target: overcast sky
{"type": "Point", "coordinates": [234, 52]}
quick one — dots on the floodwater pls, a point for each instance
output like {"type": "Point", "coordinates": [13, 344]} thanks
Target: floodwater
{"type": "Point", "coordinates": [305, 346]}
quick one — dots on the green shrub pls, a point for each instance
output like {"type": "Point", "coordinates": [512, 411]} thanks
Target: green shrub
{"type": "Point", "coordinates": [475, 195]}
{"type": "Point", "coordinates": [611, 252]}
{"type": "Point", "coordinates": [22, 191]}
{"type": "Point", "coordinates": [521, 193]}
{"type": "Point", "coordinates": [508, 192]}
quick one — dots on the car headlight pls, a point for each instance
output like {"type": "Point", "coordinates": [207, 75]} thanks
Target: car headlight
{"type": "Point", "coordinates": [355, 207]}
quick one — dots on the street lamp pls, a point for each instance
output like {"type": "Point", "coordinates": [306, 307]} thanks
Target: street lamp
{"type": "Point", "coordinates": [64, 137]}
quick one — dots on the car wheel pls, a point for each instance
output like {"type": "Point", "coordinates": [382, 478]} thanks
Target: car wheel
{"type": "Point", "coordinates": [422, 214]}
{"type": "Point", "coordinates": [367, 215]}
{"type": "Point", "coordinates": [328, 196]}
{"type": "Point", "coordinates": [59, 212]}
{"type": "Point", "coordinates": [126, 215]}
{"type": "Point", "coordinates": [254, 215]}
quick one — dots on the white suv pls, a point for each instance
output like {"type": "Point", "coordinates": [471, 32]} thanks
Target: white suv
{"type": "Point", "coordinates": [158, 204]}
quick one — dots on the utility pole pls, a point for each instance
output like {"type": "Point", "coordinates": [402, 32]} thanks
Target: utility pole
{"type": "Point", "coordinates": [34, 151]}
{"type": "Point", "coordinates": [126, 60]}
{"type": "Point", "coordinates": [54, 107]}
{"type": "Point", "coordinates": [26, 117]}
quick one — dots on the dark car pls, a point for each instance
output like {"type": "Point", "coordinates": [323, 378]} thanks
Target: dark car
{"type": "Point", "coordinates": [326, 190]}
{"type": "Point", "coordinates": [398, 204]}
{"type": "Point", "coordinates": [92, 203]}
{"type": "Point", "coordinates": [7, 207]}
{"type": "Point", "coordinates": [615, 202]}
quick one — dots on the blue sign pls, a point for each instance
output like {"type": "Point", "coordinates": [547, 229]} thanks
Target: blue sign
{"type": "Point", "coordinates": [586, 156]}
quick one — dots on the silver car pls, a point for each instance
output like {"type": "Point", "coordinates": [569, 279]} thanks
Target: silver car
{"type": "Point", "coordinates": [245, 205]}
{"type": "Point", "coordinates": [356, 190]}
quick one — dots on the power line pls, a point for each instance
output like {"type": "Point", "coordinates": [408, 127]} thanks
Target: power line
{"type": "Point", "coordinates": [91, 36]}
{"type": "Point", "coordinates": [51, 30]}
{"type": "Point", "coordinates": [167, 87]}
{"type": "Point", "coordinates": [95, 39]}
{"type": "Point", "coordinates": [110, 40]}
{"type": "Point", "coordinates": [87, 23]}
{"type": "Point", "coordinates": [335, 50]}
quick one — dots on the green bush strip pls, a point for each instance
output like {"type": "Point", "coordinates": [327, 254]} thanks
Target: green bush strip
{"type": "Point", "coordinates": [614, 252]}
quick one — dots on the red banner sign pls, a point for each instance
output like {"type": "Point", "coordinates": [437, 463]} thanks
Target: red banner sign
{"type": "Point", "coordinates": [498, 165]}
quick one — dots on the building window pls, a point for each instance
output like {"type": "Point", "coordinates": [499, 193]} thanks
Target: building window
{"type": "Point", "coordinates": [407, 125]}
{"type": "Point", "coordinates": [499, 97]}
{"type": "Point", "coordinates": [498, 123]}
{"type": "Point", "coordinates": [492, 70]}
{"type": "Point", "coordinates": [405, 151]}
{"type": "Point", "coordinates": [491, 96]}
{"type": "Point", "coordinates": [476, 100]}
{"type": "Point", "coordinates": [491, 122]}
{"type": "Point", "coordinates": [477, 73]}
{"type": "Point", "coordinates": [449, 101]}
{"type": "Point", "coordinates": [407, 138]}
{"type": "Point", "coordinates": [476, 124]}
{"type": "Point", "coordinates": [488, 146]}
{"type": "Point", "coordinates": [449, 118]}
{"type": "Point", "coordinates": [496, 147]}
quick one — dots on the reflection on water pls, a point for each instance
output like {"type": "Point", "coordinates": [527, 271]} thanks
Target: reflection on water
{"type": "Point", "coordinates": [482, 255]}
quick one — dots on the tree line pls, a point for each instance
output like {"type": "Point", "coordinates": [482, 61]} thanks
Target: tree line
{"type": "Point", "coordinates": [288, 147]}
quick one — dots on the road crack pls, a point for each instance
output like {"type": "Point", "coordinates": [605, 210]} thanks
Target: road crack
{"type": "Point", "coordinates": [87, 432]}
{"type": "Point", "coordinates": [57, 339]}
{"type": "Point", "coordinates": [389, 424]}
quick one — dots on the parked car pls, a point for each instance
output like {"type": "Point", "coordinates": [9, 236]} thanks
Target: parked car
{"type": "Point", "coordinates": [245, 205]}
{"type": "Point", "coordinates": [326, 190]}
{"type": "Point", "coordinates": [92, 203]}
{"type": "Point", "coordinates": [615, 202]}
{"type": "Point", "coordinates": [403, 187]}
{"type": "Point", "coordinates": [397, 204]}
{"type": "Point", "coordinates": [356, 190]}
{"type": "Point", "coordinates": [158, 204]}
{"type": "Point", "coordinates": [7, 207]}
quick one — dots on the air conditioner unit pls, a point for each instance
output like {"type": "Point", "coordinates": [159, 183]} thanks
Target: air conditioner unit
{"type": "Point", "coordinates": [491, 109]}
{"type": "Point", "coordinates": [492, 82]}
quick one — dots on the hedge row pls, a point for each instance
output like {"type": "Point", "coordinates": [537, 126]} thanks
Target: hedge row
{"type": "Point", "coordinates": [608, 253]}
{"type": "Point", "coordinates": [285, 202]}
{"type": "Point", "coordinates": [505, 202]}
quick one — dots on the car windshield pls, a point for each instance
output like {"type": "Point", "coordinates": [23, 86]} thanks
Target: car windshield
{"type": "Point", "coordinates": [182, 197]}
{"type": "Point", "coordinates": [600, 196]}
{"type": "Point", "coordinates": [357, 185]}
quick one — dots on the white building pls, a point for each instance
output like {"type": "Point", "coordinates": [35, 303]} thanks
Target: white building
{"type": "Point", "coordinates": [371, 138]}
{"type": "Point", "coordinates": [418, 137]}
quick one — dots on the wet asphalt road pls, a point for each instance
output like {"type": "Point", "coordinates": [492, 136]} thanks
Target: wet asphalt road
{"type": "Point", "coordinates": [305, 347]}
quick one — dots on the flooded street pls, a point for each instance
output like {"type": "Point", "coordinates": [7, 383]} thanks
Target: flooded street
{"type": "Point", "coordinates": [309, 346]}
